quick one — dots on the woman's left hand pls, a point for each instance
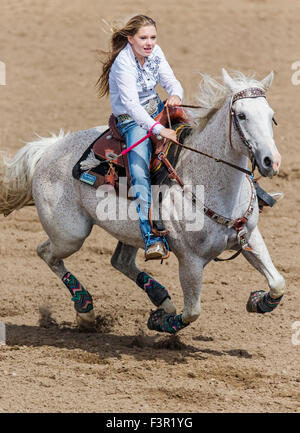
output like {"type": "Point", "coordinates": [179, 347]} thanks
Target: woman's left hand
{"type": "Point", "coordinates": [173, 100]}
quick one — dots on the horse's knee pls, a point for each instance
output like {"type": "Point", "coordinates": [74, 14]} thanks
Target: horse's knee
{"type": "Point", "coordinates": [44, 252]}
{"type": "Point", "coordinates": [277, 287]}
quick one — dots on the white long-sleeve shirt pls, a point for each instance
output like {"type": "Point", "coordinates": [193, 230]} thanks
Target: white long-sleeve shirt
{"type": "Point", "coordinates": [131, 84]}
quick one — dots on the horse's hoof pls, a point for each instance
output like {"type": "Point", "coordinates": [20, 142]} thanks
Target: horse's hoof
{"type": "Point", "coordinates": [261, 302]}
{"type": "Point", "coordinates": [254, 298]}
{"type": "Point", "coordinates": [154, 321]}
{"type": "Point", "coordinates": [161, 321]}
{"type": "Point", "coordinates": [86, 321]}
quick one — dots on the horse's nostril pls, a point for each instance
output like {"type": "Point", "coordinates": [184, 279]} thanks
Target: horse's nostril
{"type": "Point", "coordinates": [267, 161]}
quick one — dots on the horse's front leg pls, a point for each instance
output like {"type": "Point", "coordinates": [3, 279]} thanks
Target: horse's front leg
{"type": "Point", "coordinates": [190, 274]}
{"type": "Point", "coordinates": [261, 301]}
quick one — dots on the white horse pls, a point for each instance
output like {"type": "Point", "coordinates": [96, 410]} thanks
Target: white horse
{"type": "Point", "coordinates": [236, 124]}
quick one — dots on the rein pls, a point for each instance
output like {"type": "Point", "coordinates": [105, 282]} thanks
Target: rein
{"type": "Point", "coordinates": [253, 92]}
{"type": "Point", "coordinates": [243, 170]}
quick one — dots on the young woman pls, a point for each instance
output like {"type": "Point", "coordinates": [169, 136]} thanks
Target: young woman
{"type": "Point", "coordinates": [135, 65]}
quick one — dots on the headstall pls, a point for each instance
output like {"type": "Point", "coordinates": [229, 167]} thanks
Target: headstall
{"type": "Point", "coordinates": [251, 92]}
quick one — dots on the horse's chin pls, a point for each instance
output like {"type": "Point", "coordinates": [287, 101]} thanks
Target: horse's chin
{"type": "Point", "coordinates": [267, 172]}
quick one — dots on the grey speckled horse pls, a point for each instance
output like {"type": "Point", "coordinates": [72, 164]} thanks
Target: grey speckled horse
{"type": "Point", "coordinates": [41, 172]}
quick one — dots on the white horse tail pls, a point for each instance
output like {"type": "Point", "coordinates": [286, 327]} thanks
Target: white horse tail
{"type": "Point", "coordinates": [16, 174]}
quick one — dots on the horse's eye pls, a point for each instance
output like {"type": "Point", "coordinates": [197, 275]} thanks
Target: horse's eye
{"type": "Point", "coordinates": [242, 116]}
{"type": "Point", "coordinates": [274, 120]}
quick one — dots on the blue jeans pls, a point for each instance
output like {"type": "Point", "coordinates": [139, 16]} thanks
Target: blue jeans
{"type": "Point", "coordinates": [139, 161]}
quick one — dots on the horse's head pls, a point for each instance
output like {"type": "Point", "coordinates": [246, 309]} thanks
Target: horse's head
{"type": "Point", "coordinates": [251, 121]}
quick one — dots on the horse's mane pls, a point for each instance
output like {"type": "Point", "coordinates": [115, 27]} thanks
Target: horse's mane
{"type": "Point", "coordinates": [213, 93]}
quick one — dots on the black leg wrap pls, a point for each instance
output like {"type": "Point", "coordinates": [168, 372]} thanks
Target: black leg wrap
{"type": "Point", "coordinates": [156, 292]}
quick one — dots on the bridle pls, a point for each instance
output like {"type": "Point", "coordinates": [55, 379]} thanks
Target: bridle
{"type": "Point", "coordinates": [251, 92]}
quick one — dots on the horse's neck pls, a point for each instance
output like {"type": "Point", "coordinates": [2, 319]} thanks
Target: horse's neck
{"type": "Point", "coordinates": [222, 184]}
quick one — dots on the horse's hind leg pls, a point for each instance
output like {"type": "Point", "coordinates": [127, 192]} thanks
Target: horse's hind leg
{"type": "Point", "coordinates": [261, 301]}
{"type": "Point", "coordinates": [124, 260]}
{"type": "Point", "coordinates": [83, 302]}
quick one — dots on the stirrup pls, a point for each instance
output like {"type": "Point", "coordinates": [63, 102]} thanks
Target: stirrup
{"type": "Point", "coordinates": [272, 198]}
{"type": "Point", "coordinates": [277, 195]}
{"type": "Point", "coordinates": [157, 251]}
{"type": "Point", "coordinates": [266, 199]}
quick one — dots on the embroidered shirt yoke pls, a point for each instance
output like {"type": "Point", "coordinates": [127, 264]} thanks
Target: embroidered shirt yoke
{"type": "Point", "coordinates": [131, 84]}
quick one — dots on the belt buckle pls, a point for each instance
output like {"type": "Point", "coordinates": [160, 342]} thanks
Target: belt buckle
{"type": "Point", "coordinates": [123, 117]}
{"type": "Point", "coordinates": [152, 106]}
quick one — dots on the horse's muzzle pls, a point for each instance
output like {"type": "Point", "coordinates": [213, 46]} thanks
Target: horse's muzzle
{"type": "Point", "coordinates": [269, 165]}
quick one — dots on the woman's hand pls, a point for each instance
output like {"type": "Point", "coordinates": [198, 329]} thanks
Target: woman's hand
{"type": "Point", "coordinates": [173, 100]}
{"type": "Point", "coordinates": [168, 133]}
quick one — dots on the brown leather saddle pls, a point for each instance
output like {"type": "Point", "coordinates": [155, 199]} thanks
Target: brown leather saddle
{"type": "Point", "coordinates": [110, 144]}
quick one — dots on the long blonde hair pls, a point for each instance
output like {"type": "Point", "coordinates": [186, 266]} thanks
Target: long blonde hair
{"type": "Point", "coordinates": [119, 41]}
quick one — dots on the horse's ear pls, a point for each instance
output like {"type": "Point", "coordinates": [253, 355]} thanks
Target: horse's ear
{"type": "Point", "coordinates": [228, 80]}
{"type": "Point", "coordinates": [266, 82]}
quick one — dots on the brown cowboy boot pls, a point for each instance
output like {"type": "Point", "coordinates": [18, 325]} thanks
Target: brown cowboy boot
{"type": "Point", "coordinates": [156, 251]}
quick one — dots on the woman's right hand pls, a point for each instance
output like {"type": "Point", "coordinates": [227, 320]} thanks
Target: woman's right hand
{"type": "Point", "coordinates": [168, 133]}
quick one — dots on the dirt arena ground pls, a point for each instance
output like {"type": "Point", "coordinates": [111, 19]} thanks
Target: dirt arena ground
{"type": "Point", "coordinates": [226, 361]}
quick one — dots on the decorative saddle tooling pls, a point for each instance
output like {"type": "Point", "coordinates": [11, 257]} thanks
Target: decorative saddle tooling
{"type": "Point", "coordinates": [110, 144]}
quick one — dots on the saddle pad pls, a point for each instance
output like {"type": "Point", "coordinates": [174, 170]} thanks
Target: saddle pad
{"type": "Point", "coordinates": [96, 176]}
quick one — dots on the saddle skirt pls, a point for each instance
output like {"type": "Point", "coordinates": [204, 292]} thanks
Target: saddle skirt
{"type": "Point", "coordinates": [110, 144]}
